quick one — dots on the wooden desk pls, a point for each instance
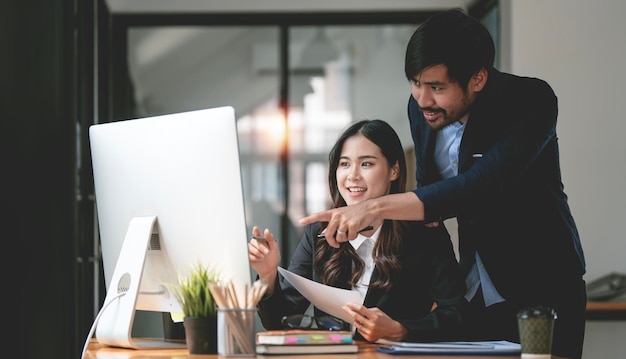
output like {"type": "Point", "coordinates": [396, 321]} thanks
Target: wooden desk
{"type": "Point", "coordinates": [612, 310]}
{"type": "Point", "coordinates": [366, 351]}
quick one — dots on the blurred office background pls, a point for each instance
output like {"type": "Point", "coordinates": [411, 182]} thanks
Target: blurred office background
{"type": "Point", "coordinates": [296, 73]}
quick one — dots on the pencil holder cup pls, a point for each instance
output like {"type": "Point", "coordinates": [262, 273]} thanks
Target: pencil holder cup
{"type": "Point", "coordinates": [236, 332]}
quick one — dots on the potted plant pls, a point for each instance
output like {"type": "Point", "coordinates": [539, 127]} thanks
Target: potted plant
{"type": "Point", "coordinates": [199, 309]}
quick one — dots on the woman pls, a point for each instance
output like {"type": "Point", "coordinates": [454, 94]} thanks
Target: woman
{"type": "Point", "coordinates": [402, 269]}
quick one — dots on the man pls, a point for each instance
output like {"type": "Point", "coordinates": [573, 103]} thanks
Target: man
{"type": "Point", "coordinates": [486, 153]}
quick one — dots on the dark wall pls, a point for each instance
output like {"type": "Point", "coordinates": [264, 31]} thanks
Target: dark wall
{"type": "Point", "coordinates": [42, 63]}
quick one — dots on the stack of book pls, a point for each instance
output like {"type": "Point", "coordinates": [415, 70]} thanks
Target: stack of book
{"type": "Point", "coordinates": [294, 341]}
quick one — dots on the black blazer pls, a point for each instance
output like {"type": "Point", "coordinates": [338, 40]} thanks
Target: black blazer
{"type": "Point", "coordinates": [508, 197]}
{"type": "Point", "coordinates": [430, 274]}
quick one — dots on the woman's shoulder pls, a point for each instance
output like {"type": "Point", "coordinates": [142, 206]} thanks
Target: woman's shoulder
{"type": "Point", "coordinates": [313, 227]}
{"type": "Point", "coordinates": [311, 230]}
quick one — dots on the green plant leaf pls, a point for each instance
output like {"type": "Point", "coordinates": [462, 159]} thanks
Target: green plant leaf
{"type": "Point", "coordinates": [193, 294]}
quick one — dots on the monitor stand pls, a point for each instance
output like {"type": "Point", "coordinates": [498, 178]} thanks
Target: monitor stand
{"type": "Point", "coordinates": [115, 320]}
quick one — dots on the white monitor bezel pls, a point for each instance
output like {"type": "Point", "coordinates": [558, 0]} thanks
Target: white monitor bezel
{"type": "Point", "coordinates": [181, 174]}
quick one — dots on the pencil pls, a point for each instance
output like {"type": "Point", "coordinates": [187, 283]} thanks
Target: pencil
{"type": "Point", "coordinates": [368, 228]}
{"type": "Point", "coordinates": [261, 239]}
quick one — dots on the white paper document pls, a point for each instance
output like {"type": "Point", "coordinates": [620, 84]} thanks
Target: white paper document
{"type": "Point", "coordinates": [327, 298]}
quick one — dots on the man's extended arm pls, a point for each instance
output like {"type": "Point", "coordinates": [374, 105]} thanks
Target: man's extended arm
{"type": "Point", "coordinates": [353, 218]}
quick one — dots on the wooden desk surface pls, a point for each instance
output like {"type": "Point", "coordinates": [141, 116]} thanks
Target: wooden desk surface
{"type": "Point", "coordinates": [366, 351]}
{"type": "Point", "coordinates": [595, 311]}
{"type": "Point", "coordinates": [599, 306]}
{"type": "Point", "coordinates": [611, 310]}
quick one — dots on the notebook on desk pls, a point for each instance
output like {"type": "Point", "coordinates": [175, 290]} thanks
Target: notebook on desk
{"type": "Point", "coordinates": [304, 337]}
{"type": "Point", "coordinates": [294, 341]}
{"type": "Point", "coordinates": [307, 349]}
{"type": "Point", "coordinates": [483, 348]}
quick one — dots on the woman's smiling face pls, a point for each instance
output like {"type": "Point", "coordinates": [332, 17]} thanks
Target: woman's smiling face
{"type": "Point", "coordinates": [363, 171]}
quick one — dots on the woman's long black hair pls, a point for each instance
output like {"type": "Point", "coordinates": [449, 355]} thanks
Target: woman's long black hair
{"type": "Point", "coordinates": [342, 266]}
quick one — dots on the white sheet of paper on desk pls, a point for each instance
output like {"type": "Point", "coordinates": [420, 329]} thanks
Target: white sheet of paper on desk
{"type": "Point", "coordinates": [327, 298]}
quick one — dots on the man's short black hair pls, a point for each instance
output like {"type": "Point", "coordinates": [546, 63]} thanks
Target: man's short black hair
{"type": "Point", "coordinates": [450, 38]}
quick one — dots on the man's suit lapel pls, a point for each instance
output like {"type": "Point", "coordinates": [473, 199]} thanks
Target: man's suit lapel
{"type": "Point", "coordinates": [466, 157]}
{"type": "Point", "coordinates": [471, 147]}
{"type": "Point", "coordinates": [480, 127]}
{"type": "Point", "coordinates": [431, 172]}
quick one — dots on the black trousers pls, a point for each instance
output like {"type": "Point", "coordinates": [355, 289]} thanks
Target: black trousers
{"type": "Point", "coordinates": [499, 321]}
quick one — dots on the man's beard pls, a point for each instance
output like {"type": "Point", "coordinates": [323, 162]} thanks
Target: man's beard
{"type": "Point", "coordinates": [442, 122]}
{"type": "Point", "coordinates": [447, 117]}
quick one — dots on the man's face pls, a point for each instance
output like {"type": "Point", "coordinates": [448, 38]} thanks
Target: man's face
{"type": "Point", "coordinates": [442, 101]}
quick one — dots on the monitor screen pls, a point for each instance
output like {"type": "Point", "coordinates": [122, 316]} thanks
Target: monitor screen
{"type": "Point", "coordinates": [168, 196]}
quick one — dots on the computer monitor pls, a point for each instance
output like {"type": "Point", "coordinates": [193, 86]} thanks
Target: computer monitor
{"type": "Point", "coordinates": [168, 196]}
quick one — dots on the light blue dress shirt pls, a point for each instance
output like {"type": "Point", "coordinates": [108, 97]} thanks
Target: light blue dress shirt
{"type": "Point", "coordinates": [447, 160]}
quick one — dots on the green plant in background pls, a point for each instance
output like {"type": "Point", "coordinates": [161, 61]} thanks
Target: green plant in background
{"type": "Point", "coordinates": [193, 294]}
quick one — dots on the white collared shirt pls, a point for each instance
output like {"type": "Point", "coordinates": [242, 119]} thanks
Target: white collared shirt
{"type": "Point", "coordinates": [364, 247]}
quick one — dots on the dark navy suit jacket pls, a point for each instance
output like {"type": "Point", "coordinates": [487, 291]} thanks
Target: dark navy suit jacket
{"type": "Point", "coordinates": [430, 274]}
{"type": "Point", "coordinates": [508, 196]}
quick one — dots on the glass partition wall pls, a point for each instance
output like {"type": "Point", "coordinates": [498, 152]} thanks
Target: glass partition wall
{"type": "Point", "coordinates": [337, 74]}
{"type": "Point", "coordinates": [295, 81]}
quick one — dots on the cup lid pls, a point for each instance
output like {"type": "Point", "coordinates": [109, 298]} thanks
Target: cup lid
{"type": "Point", "coordinates": [539, 311]}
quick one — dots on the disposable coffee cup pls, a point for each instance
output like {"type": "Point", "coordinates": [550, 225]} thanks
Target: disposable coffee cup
{"type": "Point", "coordinates": [536, 325]}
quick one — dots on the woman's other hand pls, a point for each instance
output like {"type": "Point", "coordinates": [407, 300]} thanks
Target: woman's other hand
{"type": "Point", "coordinates": [374, 324]}
{"type": "Point", "coordinates": [264, 256]}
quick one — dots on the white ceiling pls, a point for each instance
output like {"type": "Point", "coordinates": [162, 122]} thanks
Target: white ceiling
{"type": "Point", "coordinates": [187, 6]}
